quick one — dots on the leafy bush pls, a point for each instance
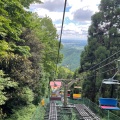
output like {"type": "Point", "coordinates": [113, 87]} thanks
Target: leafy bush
{"type": "Point", "coordinates": [23, 113]}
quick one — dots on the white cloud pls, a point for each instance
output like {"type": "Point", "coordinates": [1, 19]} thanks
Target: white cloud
{"type": "Point", "coordinates": [73, 31]}
{"type": "Point", "coordinates": [55, 16]}
{"type": "Point", "coordinates": [51, 5]}
{"type": "Point", "coordinates": [82, 15]}
{"type": "Point", "coordinates": [77, 17]}
{"type": "Point", "coordinates": [41, 12]}
{"type": "Point", "coordinates": [86, 4]}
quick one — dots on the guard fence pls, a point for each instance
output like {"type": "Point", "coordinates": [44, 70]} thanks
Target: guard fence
{"type": "Point", "coordinates": [42, 113]}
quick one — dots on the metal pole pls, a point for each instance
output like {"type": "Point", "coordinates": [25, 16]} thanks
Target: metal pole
{"type": "Point", "coordinates": [119, 73]}
{"type": "Point", "coordinates": [108, 115]}
{"type": "Point", "coordinates": [65, 95]}
{"type": "Point", "coordinates": [119, 66]}
{"type": "Point", "coordinates": [115, 74]}
{"type": "Point", "coordinates": [66, 85]}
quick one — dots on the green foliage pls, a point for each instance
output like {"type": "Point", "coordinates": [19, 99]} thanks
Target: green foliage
{"type": "Point", "coordinates": [64, 73]}
{"type": "Point", "coordinates": [5, 82]}
{"type": "Point", "coordinates": [49, 38]}
{"type": "Point", "coordinates": [47, 33]}
{"type": "Point", "coordinates": [39, 113]}
{"type": "Point", "coordinates": [103, 41]}
{"type": "Point", "coordinates": [4, 47]}
{"type": "Point", "coordinates": [26, 3]}
{"type": "Point", "coordinates": [27, 95]}
{"type": "Point", "coordinates": [101, 53]}
{"type": "Point", "coordinates": [71, 52]}
{"type": "Point", "coordinates": [13, 17]}
{"type": "Point", "coordinates": [23, 113]}
{"type": "Point", "coordinates": [22, 50]}
{"type": "Point", "coordinates": [4, 21]}
{"type": "Point", "coordinates": [28, 52]}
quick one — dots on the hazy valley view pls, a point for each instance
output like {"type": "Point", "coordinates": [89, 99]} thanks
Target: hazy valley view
{"type": "Point", "coordinates": [71, 51]}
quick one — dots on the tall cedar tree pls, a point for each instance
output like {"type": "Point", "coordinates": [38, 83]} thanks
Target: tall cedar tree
{"type": "Point", "coordinates": [103, 41]}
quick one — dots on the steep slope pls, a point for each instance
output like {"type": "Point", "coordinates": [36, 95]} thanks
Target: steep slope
{"type": "Point", "coordinates": [71, 51]}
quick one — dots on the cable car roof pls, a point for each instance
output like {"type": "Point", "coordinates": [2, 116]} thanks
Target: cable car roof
{"type": "Point", "coordinates": [110, 81]}
{"type": "Point", "coordinates": [55, 83]}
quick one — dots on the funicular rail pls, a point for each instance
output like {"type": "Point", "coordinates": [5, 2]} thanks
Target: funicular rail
{"type": "Point", "coordinates": [53, 111]}
{"type": "Point", "coordinates": [85, 112]}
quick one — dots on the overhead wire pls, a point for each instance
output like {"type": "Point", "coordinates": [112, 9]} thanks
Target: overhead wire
{"type": "Point", "coordinates": [103, 65]}
{"type": "Point", "coordinates": [104, 60]}
{"type": "Point", "coordinates": [106, 64]}
{"type": "Point", "coordinates": [98, 73]}
{"type": "Point", "coordinates": [60, 35]}
{"type": "Point", "coordinates": [87, 77]}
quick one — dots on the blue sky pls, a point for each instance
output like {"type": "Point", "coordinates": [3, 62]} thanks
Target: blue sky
{"type": "Point", "coordinates": [77, 17]}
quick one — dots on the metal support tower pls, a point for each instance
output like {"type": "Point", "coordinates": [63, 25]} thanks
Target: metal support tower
{"type": "Point", "coordinates": [67, 84]}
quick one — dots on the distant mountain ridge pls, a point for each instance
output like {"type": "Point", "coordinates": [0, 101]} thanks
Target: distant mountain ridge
{"type": "Point", "coordinates": [76, 42]}
{"type": "Point", "coordinates": [71, 51]}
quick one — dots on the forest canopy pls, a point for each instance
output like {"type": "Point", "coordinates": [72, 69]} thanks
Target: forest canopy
{"type": "Point", "coordinates": [28, 52]}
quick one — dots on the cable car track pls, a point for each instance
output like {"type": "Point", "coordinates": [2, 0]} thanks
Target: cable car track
{"type": "Point", "coordinates": [85, 112]}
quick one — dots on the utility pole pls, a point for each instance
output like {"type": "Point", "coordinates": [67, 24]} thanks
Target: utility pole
{"type": "Point", "coordinates": [118, 66]}
{"type": "Point", "coordinates": [67, 84]}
